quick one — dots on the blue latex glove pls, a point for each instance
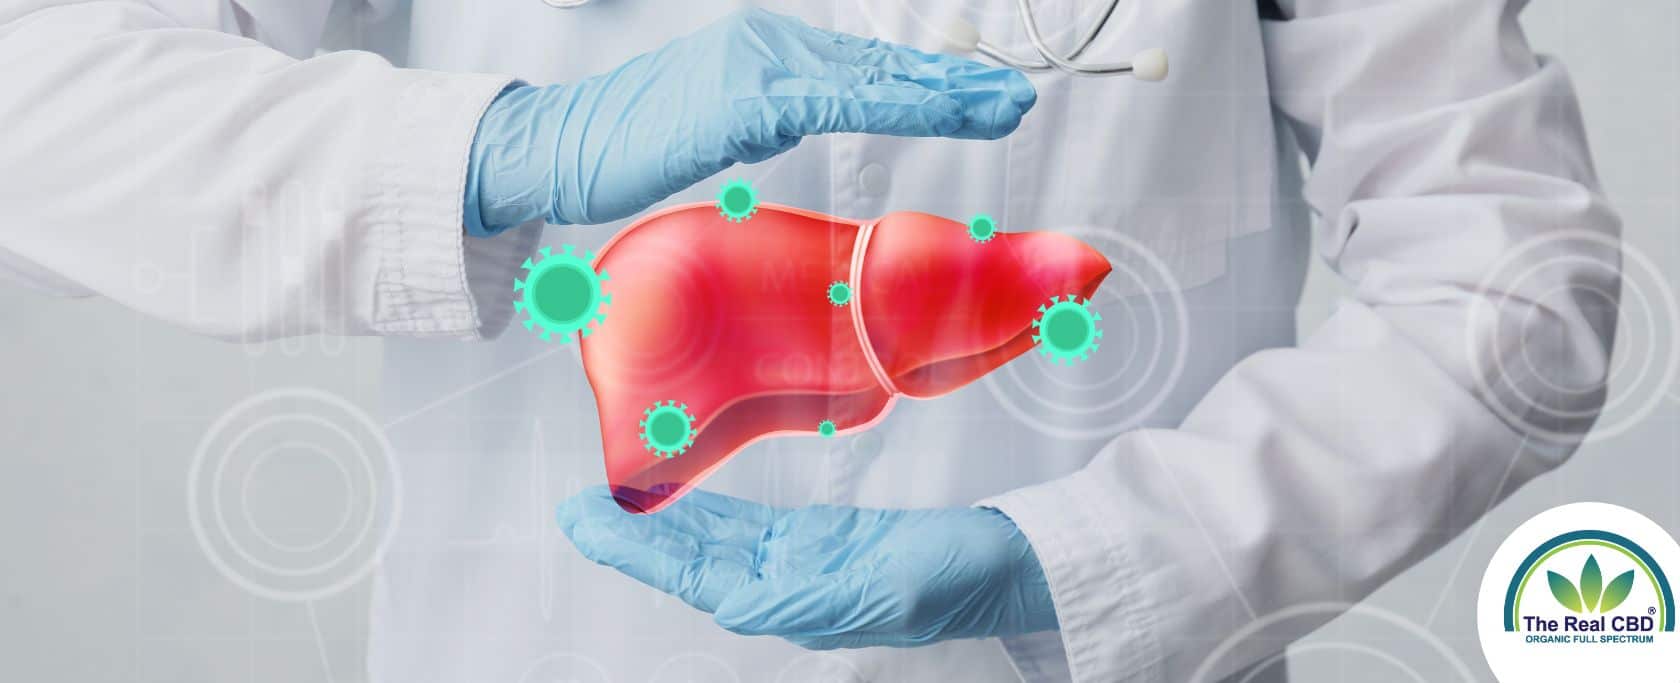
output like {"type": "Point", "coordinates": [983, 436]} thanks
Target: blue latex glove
{"type": "Point", "coordinates": [825, 577]}
{"type": "Point", "coordinates": [742, 89]}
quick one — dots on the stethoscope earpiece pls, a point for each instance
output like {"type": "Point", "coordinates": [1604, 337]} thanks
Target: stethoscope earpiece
{"type": "Point", "coordinates": [1150, 65]}
{"type": "Point", "coordinates": [961, 35]}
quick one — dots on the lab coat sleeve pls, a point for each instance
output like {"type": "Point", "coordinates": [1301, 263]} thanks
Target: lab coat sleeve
{"type": "Point", "coordinates": [1457, 198]}
{"type": "Point", "coordinates": [180, 158]}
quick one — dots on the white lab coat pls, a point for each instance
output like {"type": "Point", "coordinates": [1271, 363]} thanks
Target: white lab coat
{"type": "Point", "coordinates": [1202, 471]}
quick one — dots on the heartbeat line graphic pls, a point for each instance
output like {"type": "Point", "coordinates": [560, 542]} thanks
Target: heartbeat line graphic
{"type": "Point", "coordinates": [536, 526]}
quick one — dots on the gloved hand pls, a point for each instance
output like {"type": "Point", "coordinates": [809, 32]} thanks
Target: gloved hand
{"type": "Point", "coordinates": [742, 89]}
{"type": "Point", "coordinates": [825, 577]}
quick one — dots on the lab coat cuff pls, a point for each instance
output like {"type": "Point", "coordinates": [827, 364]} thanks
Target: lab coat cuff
{"type": "Point", "coordinates": [1106, 619]}
{"type": "Point", "coordinates": [424, 262]}
{"type": "Point", "coordinates": [492, 265]}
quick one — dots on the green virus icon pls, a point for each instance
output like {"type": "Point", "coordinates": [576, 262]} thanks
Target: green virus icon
{"type": "Point", "coordinates": [982, 228]}
{"type": "Point", "coordinates": [826, 428]}
{"type": "Point", "coordinates": [667, 429]}
{"type": "Point", "coordinates": [839, 293]}
{"type": "Point", "coordinates": [737, 201]}
{"type": "Point", "coordinates": [1067, 329]}
{"type": "Point", "coordinates": [562, 294]}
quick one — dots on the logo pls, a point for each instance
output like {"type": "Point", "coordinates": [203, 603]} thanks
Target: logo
{"type": "Point", "coordinates": [1578, 591]}
{"type": "Point", "coordinates": [1589, 595]}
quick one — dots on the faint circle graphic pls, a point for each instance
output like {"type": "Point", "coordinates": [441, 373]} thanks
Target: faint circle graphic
{"type": "Point", "coordinates": [675, 337]}
{"type": "Point", "coordinates": [565, 668]}
{"type": "Point", "coordinates": [1366, 651]}
{"type": "Point", "coordinates": [1515, 361]}
{"type": "Point", "coordinates": [345, 484]}
{"type": "Point", "coordinates": [695, 667]}
{"type": "Point", "coordinates": [1130, 376]}
{"type": "Point", "coordinates": [1228, 658]}
{"type": "Point", "coordinates": [819, 667]}
{"type": "Point", "coordinates": [238, 454]}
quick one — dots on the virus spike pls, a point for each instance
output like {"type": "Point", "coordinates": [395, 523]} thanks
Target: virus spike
{"type": "Point", "coordinates": [737, 201]}
{"type": "Point", "coordinates": [981, 228]}
{"type": "Point", "coordinates": [562, 295]}
{"type": "Point", "coordinates": [1067, 330]}
{"type": "Point", "coordinates": [839, 293]}
{"type": "Point", "coordinates": [668, 429]}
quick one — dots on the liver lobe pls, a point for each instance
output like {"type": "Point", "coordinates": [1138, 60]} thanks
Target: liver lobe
{"type": "Point", "coordinates": [733, 320]}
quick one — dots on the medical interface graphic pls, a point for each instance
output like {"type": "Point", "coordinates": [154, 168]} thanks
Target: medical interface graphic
{"type": "Point", "coordinates": [734, 321]}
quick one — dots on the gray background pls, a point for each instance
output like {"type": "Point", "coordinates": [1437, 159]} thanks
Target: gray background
{"type": "Point", "coordinates": [102, 579]}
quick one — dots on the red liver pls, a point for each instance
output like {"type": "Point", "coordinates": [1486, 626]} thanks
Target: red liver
{"type": "Point", "coordinates": [733, 319]}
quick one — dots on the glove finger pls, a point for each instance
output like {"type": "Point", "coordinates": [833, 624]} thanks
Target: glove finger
{"type": "Point", "coordinates": [932, 70]}
{"type": "Point", "coordinates": [979, 87]}
{"type": "Point", "coordinates": [703, 581]}
{"type": "Point", "coordinates": [850, 641]}
{"type": "Point", "coordinates": [859, 74]}
{"type": "Point", "coordinates": [822, 540]}
{"type": "Point", "coordinates": [808, 606]}
{"type": "Point", "coordinates": [984, 110]}
{"type": "Point", "coordinates": [989, 112]}
{"type": "Point", "coordinates": [1007, 85]}
{"type": "Point", "coordinates": [812, 52]}
{"type": "Point", "coordinates": [680, 530]}
{"type": "Point", "coordinates": [809, 107]}
{"type": "Point", "coordinates": [848, 48]}
{"type": "Point", "coordinates": [590, 503]}
{"type": "Point", "coordinates": [731, 507]}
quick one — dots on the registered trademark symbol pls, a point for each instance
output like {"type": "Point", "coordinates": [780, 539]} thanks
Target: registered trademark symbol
{"type": "Point", "coordinates": [1650, 610]}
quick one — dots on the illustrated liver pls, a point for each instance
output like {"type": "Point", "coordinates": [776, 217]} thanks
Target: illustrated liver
{"type": "Point", "coordinates": [721, 332]}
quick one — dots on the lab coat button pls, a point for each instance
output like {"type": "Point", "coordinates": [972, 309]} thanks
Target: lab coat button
{"type": "Point", "coordinates": [866, 446]}
{"type": "Point", "coordinates": [874, 179]}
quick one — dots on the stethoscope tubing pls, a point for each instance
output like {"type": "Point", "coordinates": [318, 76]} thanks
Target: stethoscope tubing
{"type": "Point", "coordinates": [1048, 59]}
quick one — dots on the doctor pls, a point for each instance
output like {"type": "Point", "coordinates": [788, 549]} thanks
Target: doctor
{"type": "Point", "coordinates": [1114, 521]}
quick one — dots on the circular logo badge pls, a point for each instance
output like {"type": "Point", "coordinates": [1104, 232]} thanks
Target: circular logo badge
{"type": "Point", "coordinates": [1580, 592]}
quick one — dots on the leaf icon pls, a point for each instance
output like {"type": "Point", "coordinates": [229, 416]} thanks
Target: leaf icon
{"type": "Point", "coordinates": [1564, 591]}
{"type": "Point", "coordinates": [1617, 591]}
{"type": "Point", "coordinates": [1591, 583]}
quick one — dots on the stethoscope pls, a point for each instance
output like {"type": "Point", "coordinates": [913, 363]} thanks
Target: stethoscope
{"type": "Point", "coordinates": [963, 36]}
